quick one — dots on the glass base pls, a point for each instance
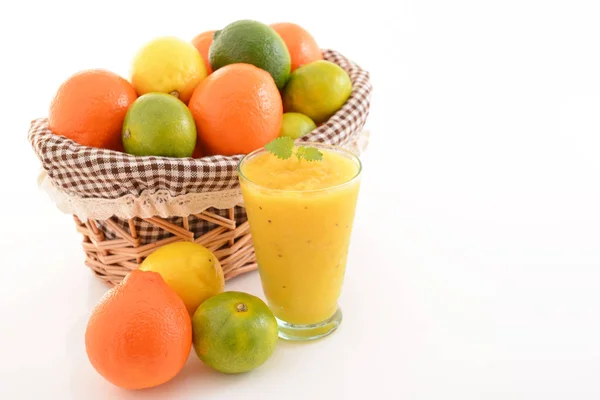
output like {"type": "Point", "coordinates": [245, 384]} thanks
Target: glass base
{"type": "Point", "coordinates": [289, 331]}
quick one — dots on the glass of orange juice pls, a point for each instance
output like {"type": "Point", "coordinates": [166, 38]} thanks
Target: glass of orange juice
{"type": "Point", "coordinates": [301, 214]}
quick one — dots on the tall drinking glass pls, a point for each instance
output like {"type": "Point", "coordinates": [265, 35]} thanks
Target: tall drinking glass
{"type": "Point", "coordinates": [301, 214]}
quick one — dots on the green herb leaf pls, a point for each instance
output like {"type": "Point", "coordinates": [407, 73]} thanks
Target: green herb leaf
{"type": "Point", "coordinates": [309, 153]}
{"type": "Point", "coordinates": [281, 147]}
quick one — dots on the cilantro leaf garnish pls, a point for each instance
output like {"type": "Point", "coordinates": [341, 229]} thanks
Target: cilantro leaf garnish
{"type": "Point", "coordinates": [283, 148]}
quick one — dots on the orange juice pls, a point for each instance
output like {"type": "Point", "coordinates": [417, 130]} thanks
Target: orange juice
{"type": "Point", "coordinates": [301, 214]}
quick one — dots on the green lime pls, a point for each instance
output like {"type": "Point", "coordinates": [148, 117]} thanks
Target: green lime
{"type": "Point", "coordinates": [234, 332]}
{"type": "Point", "coordinates": [251, 42]}
{"type": "Point", "coordinates": [317, 90]}
{"type": "Point", "coordinates": [296, 125]}
{"type": "Point", "coordinates": [158, 124]}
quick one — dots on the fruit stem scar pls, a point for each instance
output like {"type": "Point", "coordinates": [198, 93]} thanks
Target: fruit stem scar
{"type": "Point", "coordinates": [241, 307]}
{"type": "Point", "coordinates": [174, 93]}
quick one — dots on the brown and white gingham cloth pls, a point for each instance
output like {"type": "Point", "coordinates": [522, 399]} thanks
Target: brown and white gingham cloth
{"type": "Point", "coordinates": [87, 172]}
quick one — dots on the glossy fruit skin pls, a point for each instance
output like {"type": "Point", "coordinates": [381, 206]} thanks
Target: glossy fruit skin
{"type": "Point", "coordinates": [234, 332]}
{"type": "Point", "coordinates": [198, 151]}
{"type": "Point", "coordinates": [202, 42]}
{"type": "Point", "coordinates": [301, 44]}
{"type": "Point", "coordinates": [158, 124]}
{"type": "Point", "coordinates": [168, 65]}
{"type": "Point", "coordinates": [296, 125]}
{"type": "Point", "coordinates": [89, 108]}
{"type": "Point", "coordinates": [190, 269]}
{"type": "Point", "coordinates": [237, 109]}
{"type": "Point", "coordinates": [251, 42]}
{"type": "Point", "coordinates": [139, 334]}
{"type": "Point", "coordinates": [317, 90]}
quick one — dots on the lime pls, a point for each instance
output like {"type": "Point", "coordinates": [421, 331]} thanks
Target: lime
{"type": "Point", "coordinates": [318, 90]}
{"type": "Point", "coordinates": [234, 332]}
{"type": "Point", "coordinates": [296, 125]}
{"type": "Point", "coordinates": [168, 65]}
{"type": "Point", "coordinates": [190, 269]}
{"type": "Point", "coordinates": [251, 42]}
{"type": "Point", "coordinates": [158, 124]}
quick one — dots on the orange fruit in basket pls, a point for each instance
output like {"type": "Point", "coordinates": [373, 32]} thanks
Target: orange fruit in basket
{"type": "Point", "coordinates": [202, 42]}
{"type": "Point", "coordinates": [237, 109]}
{"type": "Point", "coordinates": [89, 108]}
{"type": "Point", "coordinates": [302, 45]}
{"type": "Point", "coordinates": [140, 333]}
{"type": "Point", "coordinates": [198, 152]}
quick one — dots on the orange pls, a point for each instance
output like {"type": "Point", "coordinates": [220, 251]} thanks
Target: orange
{"type": "Point", "coordinates": [140, 333]}
{"type": "Point", "coordinates": [90, 107]}
{"type": "Point", "coordinates": [302, 46]}
{"type": "Point", "coordinates": [202, 42]}
{"type": "Point", "coordinates": [237, 109]}
{"type": "Point", "coordinates": [198, 152]}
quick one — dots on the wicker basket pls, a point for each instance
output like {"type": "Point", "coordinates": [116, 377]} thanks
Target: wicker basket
{"type": "Point", "coordinates": [117, 243]}
{"type": "Point", "coordinates": [112, 258]}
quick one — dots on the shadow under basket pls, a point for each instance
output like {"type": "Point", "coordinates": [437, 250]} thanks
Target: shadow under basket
{"type": "Point", "coordinates": [116, 246]}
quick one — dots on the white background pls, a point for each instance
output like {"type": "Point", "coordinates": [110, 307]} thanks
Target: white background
{"type": "Point", "coordinates": [474, 269]}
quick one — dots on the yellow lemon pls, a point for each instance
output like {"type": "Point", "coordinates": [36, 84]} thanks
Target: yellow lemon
{"type": "Point", "coordinates": [190, 269]}
{"type": "Point", "coordinates": [168, 65]}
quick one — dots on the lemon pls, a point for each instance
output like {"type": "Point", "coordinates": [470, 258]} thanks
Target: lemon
{"type": "Point", "coordinates": [317, 90]}
{"type": "Point", "coordinates": [234, 332]}
{"type": "Point", "coordinates": [296, 125]}
{"type": "Point", "coordinates": [190, 269]}
{"type": "Point", "coordinates": [168, 65]}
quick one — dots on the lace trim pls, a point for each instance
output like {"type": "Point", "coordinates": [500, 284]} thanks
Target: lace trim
{"type": "Point", "coordinates": [160, 203]}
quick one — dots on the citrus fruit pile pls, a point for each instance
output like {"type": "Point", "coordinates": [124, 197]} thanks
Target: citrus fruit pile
{"type": "Point", "coordinates": [141, 332]}
{"type": "Point", "coordinates": [225, 92]}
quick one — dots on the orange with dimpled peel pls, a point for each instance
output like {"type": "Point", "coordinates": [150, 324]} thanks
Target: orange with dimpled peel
{"type": "Point", "coordinates": [140, 333]}
{"type": "Point", "coordinates": [89, 108]}
{"type": "Point", "coordinates": [301, 44]}
{"type": "Point", "coordinates": [237, 109]}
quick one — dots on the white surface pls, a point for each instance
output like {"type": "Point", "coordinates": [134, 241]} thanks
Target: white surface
{"type": "Point", "coordinates": [475, 260]}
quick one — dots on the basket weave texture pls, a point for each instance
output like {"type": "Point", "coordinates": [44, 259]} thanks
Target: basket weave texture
{"type": "Point", "coordinates": [117, 243]}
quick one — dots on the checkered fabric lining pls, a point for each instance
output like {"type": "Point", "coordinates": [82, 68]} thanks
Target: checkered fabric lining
{"type": "Point", "coordinates": [88, 172]}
